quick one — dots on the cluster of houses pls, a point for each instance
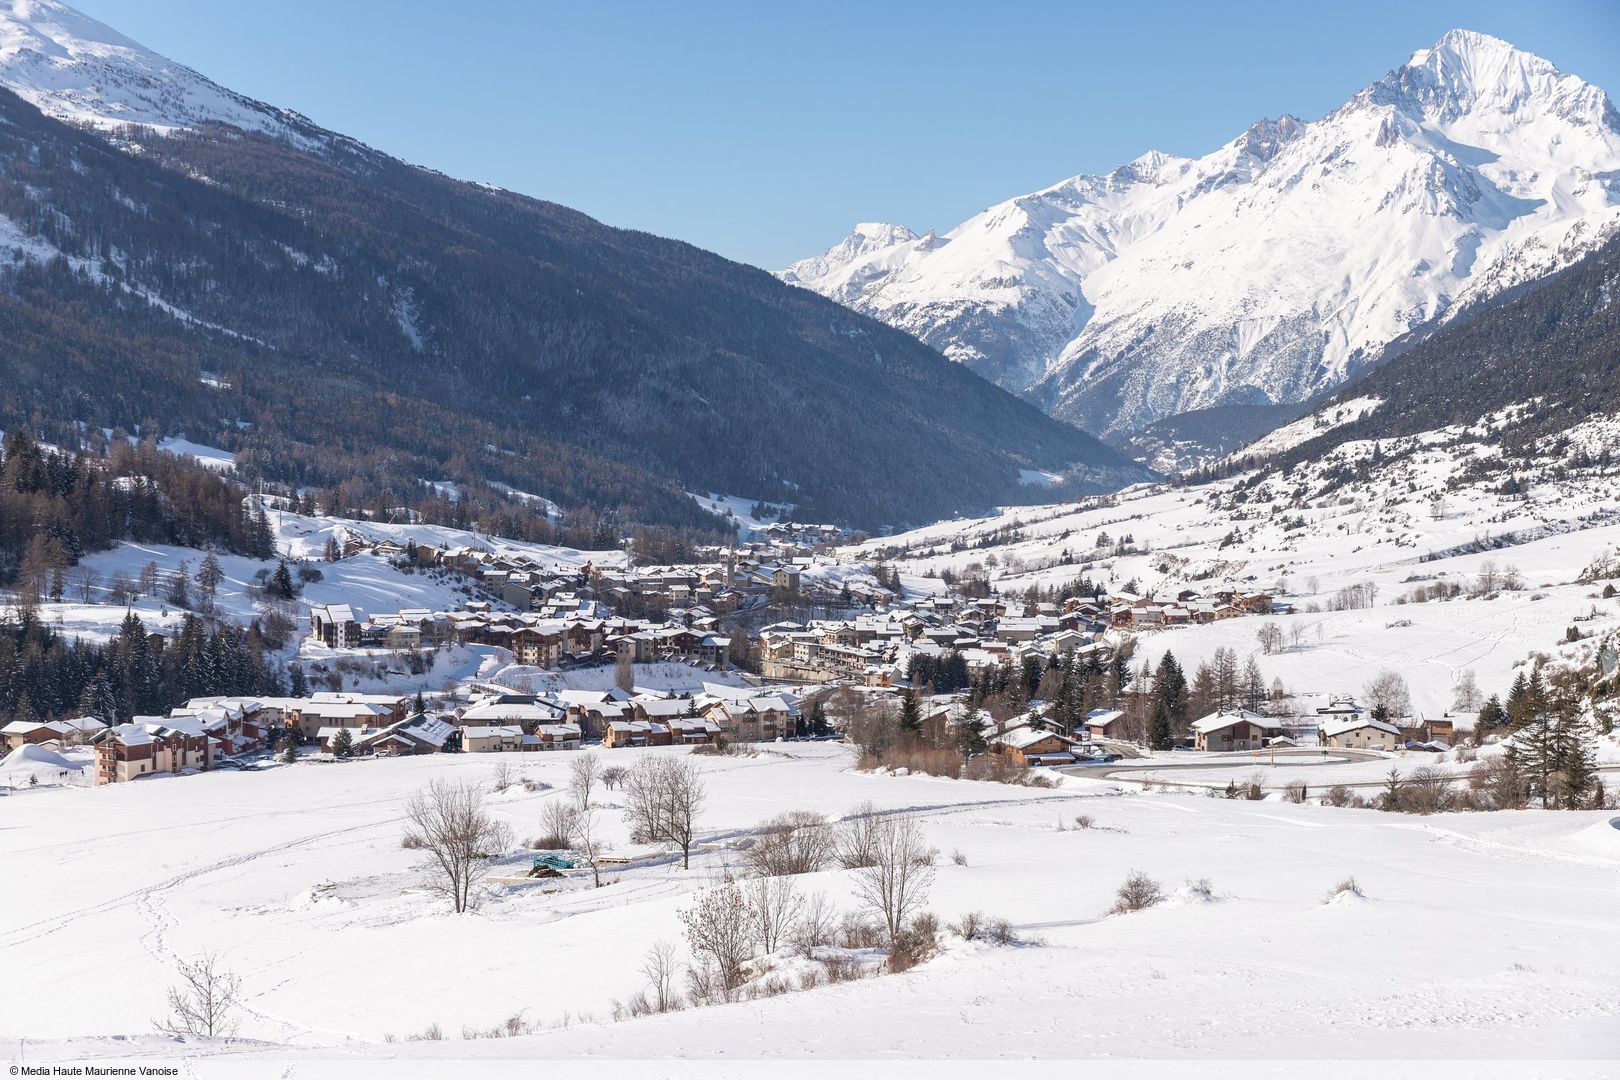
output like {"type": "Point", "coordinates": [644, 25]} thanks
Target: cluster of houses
{"type": "Point", "coordinates": [1342, 724]}
{"type": "Point", "coordinates": [208, 731]}
{"type": "Point", "coordinates": [780, 559]}
{"type": "Point", "coordinates": [876, 649]}
{"type": "Point", "coordinates": [536, 639]}
{"type": "Point", "coordinates": [1191, 606]}
{"type": "Point", "coordinates": [1035, 740]}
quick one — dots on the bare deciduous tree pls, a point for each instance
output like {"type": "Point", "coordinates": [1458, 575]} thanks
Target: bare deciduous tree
{"type": "Point", "coordinates": [896, 884]}
{"type": "Point", "coordinates": [718, 931]}
{"type": "Point", "coordinates": [84, 580]}
{"type": "Point", "coordinates": [205, 1001]}
{"type": "Point", "coordinates": [873, 728]}
{"type": "Point", "coordinates": [659, 968]}
{"type": "Point", "coordinates": [792, 842]}
{"type": "Point", "coordinates": [1270, 636]}
{"type": "Point", "coordinates": [587, 842]}
{"type": "Point", "coordinates": [120, 590]}
{"type": "Point", "coordinates": [613, 776]}
{"type": "Point", "coordinates": [556, 825]}
{"type": "Point", "coordinates": [818, 920]}
{"type": "Point", "coordinates": [857, 838]}
{"type": "Point", "coordinates": [624, 672]}
{"type": "Point", "coordinates": [774, 906]}
{"type": "Point", "coordinates": [663, 797]}
{"type": "Point", "coordinates": [1387, 692]}
{"type": "Point", "coordinates": [1465, 695]}
{"type": "Point", "coordinates": [504, 776]}
{"type": "Point", "coordinates": [1428, 790]}
{"type": "Point", "coordinates": [450, 823]}
{"type": "Point", "coordinates": [584, 772]}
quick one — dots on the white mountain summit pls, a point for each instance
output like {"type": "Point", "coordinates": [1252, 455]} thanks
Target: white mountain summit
{"type": "Point", "coordinates": [1270, 268]}
{"type": "Point", "coordinates": [74, 68]}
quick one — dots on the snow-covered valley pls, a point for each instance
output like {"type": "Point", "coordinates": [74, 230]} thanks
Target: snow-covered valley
{"type": "Point", "coordinates": [1489, 936]}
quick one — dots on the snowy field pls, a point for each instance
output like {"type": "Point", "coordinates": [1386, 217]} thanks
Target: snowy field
{"type": "Point", "coordinates": [1485, 936]}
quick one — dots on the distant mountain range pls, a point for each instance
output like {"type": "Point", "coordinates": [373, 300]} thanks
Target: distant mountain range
{"type": "Point", "coordinates": [179, 258]}
{"type": "Point", "coordinates": [1272, 269]}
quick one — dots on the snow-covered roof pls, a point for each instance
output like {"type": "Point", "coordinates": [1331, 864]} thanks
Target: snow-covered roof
{"type": "Point", "coordinates": [516, 713]}
{"type": "Point", "coordinates": [1334, 727]}
{"type": "Point", "coordinates": [664, 708]}
{"type": "Point", "coordinates": [1020, 737]}
{"type": "Point", "coordinates": [1215, 721]}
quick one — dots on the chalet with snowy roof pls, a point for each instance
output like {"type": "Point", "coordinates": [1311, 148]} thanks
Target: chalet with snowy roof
{"type": "Point", "coordinates": [338, 626]}
{"type": "Point", "coordinates": [336, 709]}
{"type": "Point", "coordinates": [1108, 724]}
{"type": "Point", "coordinates": [693, 731]}
{"type": "Point", "coordinates": [1065, 642]}
{"type": "Point", "coordinates": [521, 714]}
{"type": "Point", "coordinates": [761, 718]}
{"type": "Point", "coordinates": [494, 739]}
{"type": "Point", "coordinates": [150, 746]}
{"type": "Point", "coordinates": [536, 646]}
{"type": "Point", "coordinates": [1024, 629]}
{"type": "Point", "coordinates": [1234, 729]}
{"type": "Point", "coordinates": [1359, 733]}
{"type": "Point", "coordinates": [238, 725]}
{"type": "Point", "coordinates": [416, 734]}
{"type": "Point", "coordinates": [635, 733]}
{"type": "Point", "coordinates": [64, 732]}
{"type": "Point", "coordinates": [1029, 745]}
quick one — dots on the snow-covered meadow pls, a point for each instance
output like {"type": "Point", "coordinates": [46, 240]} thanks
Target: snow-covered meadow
{"type": "Point", "coordinates": [1486, 935]}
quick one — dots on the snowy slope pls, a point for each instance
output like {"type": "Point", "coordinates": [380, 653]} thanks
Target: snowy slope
{"type": "Point", "coordinates": [1487, 936]}
{"type": "Point", "coordinates": [74, 68]}
{"type": "Point", "coordinates": [1270, 268]}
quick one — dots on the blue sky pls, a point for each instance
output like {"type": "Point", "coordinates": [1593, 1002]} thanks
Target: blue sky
{"type": "Point", "coordinates": [765, 130]}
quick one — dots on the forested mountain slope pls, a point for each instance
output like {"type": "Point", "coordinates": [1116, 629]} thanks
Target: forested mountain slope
{"type": "Point", "coordinates": [365, 321]}
{"type": "Point", "coordinates": [1536, 366]}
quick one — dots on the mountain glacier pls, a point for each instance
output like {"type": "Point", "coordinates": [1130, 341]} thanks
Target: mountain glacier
{"type": "Point", "coordinates": [1270, 269]}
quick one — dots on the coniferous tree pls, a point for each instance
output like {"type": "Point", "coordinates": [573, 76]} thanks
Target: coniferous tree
{"type": "Point", "coordinates": [1160, 735]}
{"type": "Point", "coordinates": [970, 738]}
{"type": "Point", "coordinates": [1519, 705]}
{"type": "Point", "coordinates": [281, 585]}
{"type": "Point", "coordinates": [910, 713]}
{"type": "Point", "coordinates": [343, 744]}
{"type": "Point", "coordinates": [1254, 686]}
{"type": "Point", "coordinates": [1577, 773]}
{"type": "Point", "coordinates": [1170, 687]}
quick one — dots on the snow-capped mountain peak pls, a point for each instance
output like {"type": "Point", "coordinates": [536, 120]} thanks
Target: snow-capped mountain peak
{"type": "Point", "coordinates": [1468, 73]}
{"type": "Point", "coordinates": [1274, 266]}
{"type": "Point", "coordinates": [77, 69]}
